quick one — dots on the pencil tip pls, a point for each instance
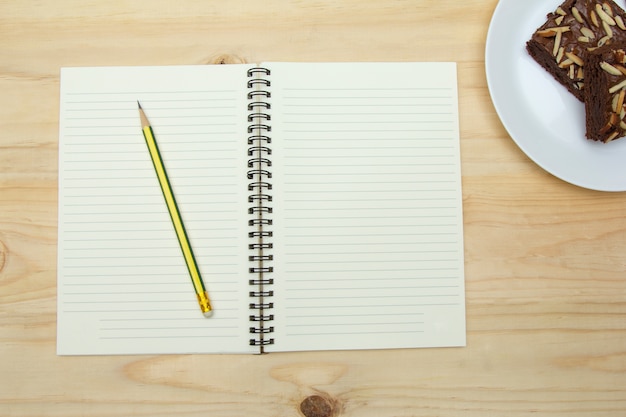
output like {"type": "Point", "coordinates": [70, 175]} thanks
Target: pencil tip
{"type": "Point", "coordinates": [139, 104]}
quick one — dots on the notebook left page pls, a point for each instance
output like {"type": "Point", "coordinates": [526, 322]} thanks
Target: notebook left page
{"type": "Point", "coordinates": [123, 285]}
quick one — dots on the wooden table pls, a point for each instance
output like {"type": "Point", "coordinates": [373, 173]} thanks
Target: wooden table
{"type": "Point", "coordinates": [545, 260]}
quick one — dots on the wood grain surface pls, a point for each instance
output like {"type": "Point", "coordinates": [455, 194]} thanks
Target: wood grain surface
{"type": "Point", "coordinates": [545, 260]}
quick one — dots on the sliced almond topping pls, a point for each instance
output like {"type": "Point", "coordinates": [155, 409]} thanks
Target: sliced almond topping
{"type": "Point", "coordinates": [577, 15]}
{"type": "Point", "coordinates": [620, 102]}
{"type": "Point", "coordinates": [617, 104]}
{"type": "Point", "coordinates": [606, 128]}
{"type": "Point", "coordinates": [607, 29]}
{"type": "Point", "coordinates": [572, 72]}
{"type": "Point", "coordinates": [594, 18]}
{"type": "Point", "coordinates": [603, 41]}
{"type": "Point", "coordinates": [607, 8]}
{"type": "Point", "coordinates": [546, 33]}
{"type": "Point", "coordinates": [566, 63]}
{"type": "Point", "coordinates": [612, 137]}
{"type": "Point", "coordinates": [584, 39]}
{"type": "Point", "coordinates": [620, 22]}
{"type": "Point", "coordinates": [560, 11]}
{"type": "Point", "coordinates": [559, 20]}
{"type": "Point", "coordinates": [604, 16]}
{"type": "Point", "coordinates": [559, 55]}
{"type": "Point", "coordinates": [586, 32]}
{"type": "Point", "coordinates": [550, 32]}
{"type": "Point", "coordinates": [581, 73]}
{"type": "Point", "coordinates": [577, 60]}
{"type": "Point", "coordinates": [621, 69]}
{"type": "Point", "coordinates": [617, 87]}
{"type": "Point", "coordinates": [622, 125]}
{"type": "Point", "coordinates": [610, 68]}
{"type": "Point", "coordinates": [557, 43]}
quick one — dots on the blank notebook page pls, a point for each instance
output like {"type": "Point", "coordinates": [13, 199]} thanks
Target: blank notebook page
{"type": "Point", "coordinates": [368, 213]}
{"type": "Point", "coordinates": [123, 285]}
{"type": "Point", "coordinates": [366, 198]}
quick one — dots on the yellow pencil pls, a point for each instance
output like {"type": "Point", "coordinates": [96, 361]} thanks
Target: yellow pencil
{"type": "Point", "coordinates": [190, 260]}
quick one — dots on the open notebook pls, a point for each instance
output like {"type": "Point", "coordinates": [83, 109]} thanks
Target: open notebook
{"type": "Point", "coordinates": [322, 200]}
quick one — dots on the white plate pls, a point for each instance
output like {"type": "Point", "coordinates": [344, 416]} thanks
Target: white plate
{"type": "Point", "coordinates": [541, 116]}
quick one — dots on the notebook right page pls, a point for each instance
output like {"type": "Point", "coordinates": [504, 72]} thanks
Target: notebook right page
{"type": "Point", "coordinates": [368, 228]}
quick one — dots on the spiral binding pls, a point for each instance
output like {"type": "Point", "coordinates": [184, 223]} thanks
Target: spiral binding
{"type": "Point", "coordinates": [259, 164]}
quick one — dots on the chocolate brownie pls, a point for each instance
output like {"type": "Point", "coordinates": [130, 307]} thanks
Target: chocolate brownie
{"type": "Point", "coordinates": [605, 104]}
{"type": "Point", "coordinates": [575, 28]}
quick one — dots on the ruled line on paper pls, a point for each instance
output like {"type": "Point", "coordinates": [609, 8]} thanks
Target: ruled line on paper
{"type": "Point", "coordinates": [134, 93]}
{"type": "Point", "coordinates": [330, 301]}
{"type": "Point", "coordinates": [359, 323]}
{"type": "Point", "coordinates": [352, 307]}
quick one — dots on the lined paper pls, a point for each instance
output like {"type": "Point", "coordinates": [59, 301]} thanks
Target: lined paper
{"type": "Point", "coordinates": [123, 284]}
{"type": "Point", "coordinates": [368, 213]}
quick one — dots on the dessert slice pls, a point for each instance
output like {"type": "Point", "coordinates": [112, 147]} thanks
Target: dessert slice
{"type": "Point", "coordinates": [575, 28]}
{"type": "Point", "coordinates": [605, 91]}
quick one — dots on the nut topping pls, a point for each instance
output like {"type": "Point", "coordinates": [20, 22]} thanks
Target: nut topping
{"type": "Point", "coordinates": [607, 29]}
{"type": "Point", "coordinates": [587, 32]}
{"type": "Point", "coordinates": [617, 87]}
{"type": "Point", "coordinates": [612, 137]}
{"type": "Point", "coordinates": [575, 58]}
{"type": "Point", "coordinates": [610, 68]}
{"type": "Point", "coordinates": [594, 18]}
{"type": "Point", "coordinates": [603, 40]}
{"type": "Point", "coordinates": [619, 106]}
{"type": "Point", "coordinates": [557, 43]}
{"type": "Point", "coordinates": [577, 15]}
{"type": "Point", "coordinates": [604, 16]}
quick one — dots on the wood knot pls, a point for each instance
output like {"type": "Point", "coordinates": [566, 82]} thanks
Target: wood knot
{"type": "Point", "coordinates": [317, 406]}
{"type": "Point", "coordinates": [226, 59]}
